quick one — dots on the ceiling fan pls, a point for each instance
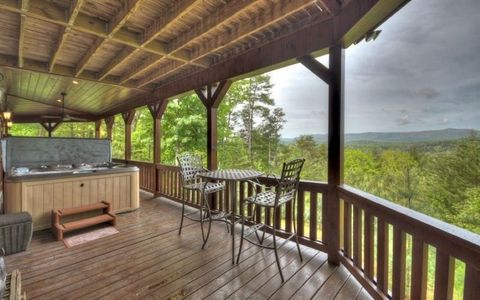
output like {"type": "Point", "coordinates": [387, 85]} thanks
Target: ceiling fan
{"type": "Point", "coordinates": [63, 116]}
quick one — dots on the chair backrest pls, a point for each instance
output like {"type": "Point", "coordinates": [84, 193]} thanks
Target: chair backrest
{"type": "Point", "coordinates": [190, 166]}
{"type": "Point", "coordinates": [288, 183]}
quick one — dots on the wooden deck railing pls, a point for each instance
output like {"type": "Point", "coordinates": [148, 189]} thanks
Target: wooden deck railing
{"type": "Point", "coordinates": [374, 238]}
{"type": "Point", "coordinates": [387, 247]}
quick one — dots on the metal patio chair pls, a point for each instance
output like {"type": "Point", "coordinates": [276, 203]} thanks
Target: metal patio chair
{"type": "Point", "coordinates": [273, 197]}
{"type": "Point", "coordinates": [190, 167]}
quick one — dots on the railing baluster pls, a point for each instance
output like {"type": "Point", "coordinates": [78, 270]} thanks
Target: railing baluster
{"type": "Point", "coordinates": [472, 283]}
{"type": "Point", "coordinates": [278, 218]}
{"type": "Point", "coordinates": [368, 248]}
{"type": "Point", "coordinates": [347, 230]}
{"type": "Point", "coordinates": [382, 256]}
{"type": "Point", "coordinates": [249, 194]}
{"type": "Point", "coordinates": [357, 238]}
{"type": "Point", "coordinates": [313, 216]}
{"type": "Point", "coordinates": [419, 269]}
{"type": "Point", "coordinates": [399, 258]}
{"type": "Point", "coordinates": [444, 271]}
{"type": "Point", "coordinates": [258, 216]}
{"type": "Point", "coordinates": [288, 217]}
{"type": "Point", "coordinates": [300, 212]}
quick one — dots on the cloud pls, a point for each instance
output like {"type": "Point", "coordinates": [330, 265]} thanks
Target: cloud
{"type": "Point", "coordinates": [413, 77]}
{"type": "Point", "coordinates": [403, 120]}
{"type": "Point", "coordinates": [428, 93]}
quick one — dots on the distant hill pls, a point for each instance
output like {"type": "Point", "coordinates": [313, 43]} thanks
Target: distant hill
{"type": "Point", "coordinates": [399, 137]}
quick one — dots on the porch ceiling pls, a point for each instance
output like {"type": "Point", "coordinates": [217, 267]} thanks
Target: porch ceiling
{"type": "Point", "coordinates": [125, 54]}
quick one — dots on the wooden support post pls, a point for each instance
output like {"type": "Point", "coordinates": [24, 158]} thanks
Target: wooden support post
{"type": "Point", "coordinates": [334, 77]}
{"type": "Point", "coordinates": [335, 148]}
{"type": "Point", "coordinates": [50, 127]}
{"type": "Point", "coordinates": [157, 109]}
{"type": "Point", "coordinates": [98, 124]}
{"type": "Point", "coordinates": [128, 118]}
{"type": "Point", "coordinates": [109, 121]}
{"type": "Point", "coordinates": [211, 96]}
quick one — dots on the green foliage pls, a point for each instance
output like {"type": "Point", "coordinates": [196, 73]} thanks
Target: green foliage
{"type": "Point", "coordinates": [142, 136]}
{"type": "Point", "coordinates": [184, 128]}
{"type": "Point", "coordinates": [78, 130]}
{"type": "Point", "coordinates": [20, 129]}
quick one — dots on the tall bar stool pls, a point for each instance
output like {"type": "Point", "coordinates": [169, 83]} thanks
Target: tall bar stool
{"type": "Point", "coordinates": [190, 167]}
{"type": "Point", "coordinates": [285, 191]}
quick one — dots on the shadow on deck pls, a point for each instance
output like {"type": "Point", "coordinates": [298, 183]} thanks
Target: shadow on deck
{"type": "Point", "coordinates": [148, 259]}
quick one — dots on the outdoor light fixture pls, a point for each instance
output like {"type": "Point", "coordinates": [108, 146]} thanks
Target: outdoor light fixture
{"type": "Point", "coordinates": [75, 82]}
{"type": "Point", "coordinates": [9, 124]}
{"type": "Point", "coordinates": [369, 36]}
{"type": "Point", "coordinates": [372, 35]}
{"type": "Point", "coordinates": [7, 115]}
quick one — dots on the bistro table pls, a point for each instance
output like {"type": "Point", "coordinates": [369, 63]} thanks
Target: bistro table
{"type": "Point", "coordinates": [231, 176]}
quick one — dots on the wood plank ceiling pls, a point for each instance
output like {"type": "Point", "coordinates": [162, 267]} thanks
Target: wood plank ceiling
{"type": "Point", "coordinates": [119, 51]}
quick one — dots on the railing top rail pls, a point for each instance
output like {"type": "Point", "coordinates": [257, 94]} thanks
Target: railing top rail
{"type": "Point", "coordinates": [463, 243]}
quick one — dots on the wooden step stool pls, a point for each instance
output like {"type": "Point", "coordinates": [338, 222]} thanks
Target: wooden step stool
{"type": "Point", "coordinates": [13, 288]}
{"type": "Point", "coordinates": [59, 229]}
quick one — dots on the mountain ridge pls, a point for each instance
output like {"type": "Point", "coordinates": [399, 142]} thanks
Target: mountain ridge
{"type": "Point", "coordinates": [448, 134]}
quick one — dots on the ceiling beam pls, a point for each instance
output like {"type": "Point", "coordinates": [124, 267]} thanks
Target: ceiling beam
{"type": "Point", "coordinates": [10, 62]}
{"type": "Point", "coordinates": [332, 6]}
{"type": "Point", "coordinates": [277, 11]}
{"type": "Point", "coordinates": [19, 118]}
{"type": "Point", "coordinates": [113, 26]}
{"type": "Point", "coordinates": [354, 20]}
{"type": "Point", "coordinates": [47, 11]}
{"type": "Point", "coordinates": [73, 13]}
{"type": "Point", "coordinates": [21, 34]}
{"type": "Point", "coordinates": [221, 16]}
{"type": "Point", "coordinates": [176, 11]}
{"type": "Point", "coordinates": [48, 104]}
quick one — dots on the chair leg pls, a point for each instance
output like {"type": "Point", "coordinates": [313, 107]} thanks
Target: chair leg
{"type": "Point", "coordinates": [295, 232]}
{"type": "Point", "coordinates": [241, 240]}
{"type": "Point", "coordinates": [183, 213]}
{"type": "Point", "coordinates": [209, 214]}
{"type": "Point", "coordinates": [275, 245]}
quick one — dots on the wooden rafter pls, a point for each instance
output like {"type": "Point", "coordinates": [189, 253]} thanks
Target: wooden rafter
{"type": "Point", "coordinates": [113, 27]}
{"type": "Point", "coordinates": [223, 15]}
{"type": "Point", "coordinates": [277, 11]}
{"type": "Point", "coordinates": [73, 13]}
{"type": "Point", "coordinates": [332, 6]}
{"type": "Point", "coordinates": [21, 34]}
{"type": "Point", "coordinates": [47, 11]}
{"type": "Point", "coordinates": [173, 14]}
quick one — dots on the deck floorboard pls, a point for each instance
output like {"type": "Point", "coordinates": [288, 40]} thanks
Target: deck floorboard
{"type": "Point", "coordinates": [147, 259]}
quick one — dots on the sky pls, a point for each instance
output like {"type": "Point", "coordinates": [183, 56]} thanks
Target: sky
{"type": "Point", "coordinates": [421, 73]}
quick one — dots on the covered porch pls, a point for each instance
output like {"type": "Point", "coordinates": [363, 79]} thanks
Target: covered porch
{"type": "Point", "coordinates": [355, 243]}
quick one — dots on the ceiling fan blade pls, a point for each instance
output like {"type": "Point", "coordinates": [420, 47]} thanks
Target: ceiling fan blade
{"type": "Point", "coordinates": [73, 118]}
{"type": "Point", "coordinates": [50, 117]}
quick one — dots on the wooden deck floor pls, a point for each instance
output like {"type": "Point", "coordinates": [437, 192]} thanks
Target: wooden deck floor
{"type": "Point", "coordinates": [148, 260]}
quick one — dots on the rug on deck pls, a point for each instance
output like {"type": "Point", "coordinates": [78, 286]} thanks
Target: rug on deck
{"type": "Point", "coordinates": [88, 235]}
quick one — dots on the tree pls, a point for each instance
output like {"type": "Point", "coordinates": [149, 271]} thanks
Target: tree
{"type": "Point", "coordinates": [270, 132]}
{"type": "Point", "coordinates": [256, 104]}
